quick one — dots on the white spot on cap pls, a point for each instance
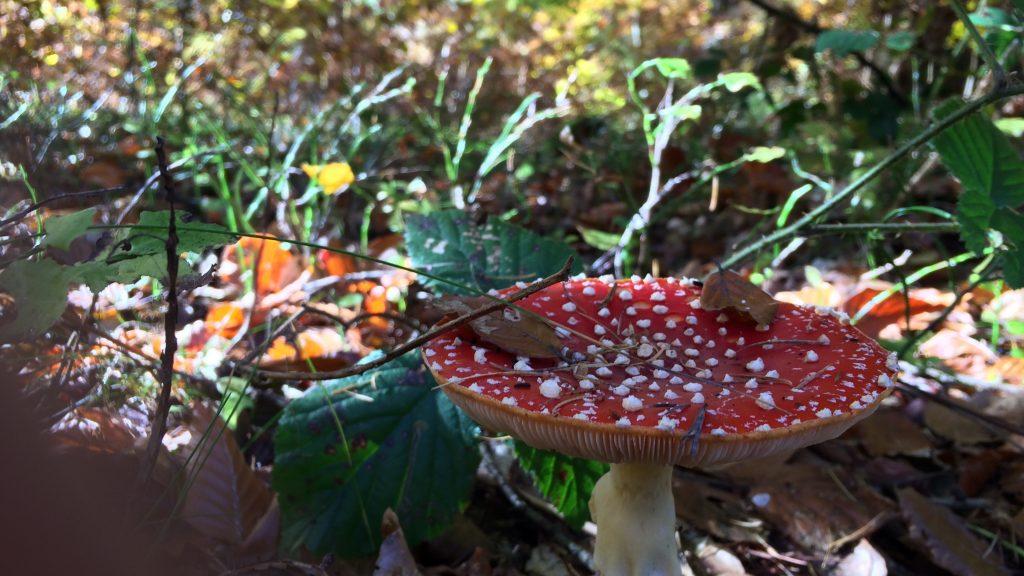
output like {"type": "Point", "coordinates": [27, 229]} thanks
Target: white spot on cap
{"type": "Point", "coordinates": [509, 401]}
{"type": "Point", "coordinates": [621, 390]}
{"type": "Point", "coordinates": [586, 384]}
{"type": "Point", "coordinates": [476, 388]}
{"type": "Point", "coordinates": [600, 330]}
{"type": "Point", "coordinates": [604, 312]}
{"type": "Point", "coordinates": [643, 323]}
{"type": "Point", "coordinates": [632, 403]}
{"type": "Point", "coordinates": [569, 307]}
{"type": "Point", "coordinates": [623, 422]}
{"type": "Point", "coordinates": [550, 388]}
{"type": "Point", "coordinates": [691, 320]}
{"type": "Point", "coordinates": [625, 295]}
{"type": "Point", "coordinates": [884, 380]}
{"type": "Point", "coordinates": [755, 365]}
{"type": "Point", "coordinates": [693, 387]}
{"type": "Point", "coordinates": [730, 353]}
{"type": "Point", "coordinates": [588, 291]}
{"type": "Point", "coordinates": [811, 356]}
{"type": "Point", "coordinates": [823, 339]}
{"type": "Point", "coordinates": [667, 423]}
{"type": "Point", "coordinates": [771, 374]}
{"type": "Point", "coordinates": [658, 297]}
{"type": "Point", "coordinates": [763, 428]}
{"type": "Point", "coordinates": [480, 355]}
{"type": "Point", "coordinates": [765, 400]}
{"type": "Point", "coordinates": [660, 309]}
{"type": "Point", "coordinates": [697, 398]}
{"type": "Point", "coordinates": [522, 364]}
{"type": "Point", "coordinates": [823, 413]}
{"type": "Point", "coordinates": [670, 395]}
{"type": "Point", "coordinates": [718, 432]}
{"type": "Point", "coordinates": [761, 499]}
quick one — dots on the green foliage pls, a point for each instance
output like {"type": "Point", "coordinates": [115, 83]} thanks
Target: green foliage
{"type": "Point", "coordinates": [39, 287]}
{"type": "Point", "coordinates": [495, 255]}
{"type": "Point", "coordinates": [901, 41]}
{"type": "Point", "coordinates": [62, 230]}
{"type": "Point", "coordinates": [342, 459]}
{"type": "Point", "coordinates": [565, 481]}
{"type": "Point", "coordinates": [845, 42]}
{"type": "Point", "coordinates": [992, 174]}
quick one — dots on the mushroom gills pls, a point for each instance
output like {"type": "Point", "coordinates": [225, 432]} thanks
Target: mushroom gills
{"type": "Point", "coordinates": [633, 508]}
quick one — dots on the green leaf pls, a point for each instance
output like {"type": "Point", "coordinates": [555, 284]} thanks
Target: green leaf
{"type": "Point", "coordinates": [495, 255]}
{"type": "Point", "coordinates": [1011, 224]}
{"type": "Point", "coordinates": [40, 292]}
{"type": "Point", "coordinates": [988, 16]}
{"type": "Point", "coordinates": [599, 238]}
{"type": "Point", "coordinates": [342, 460]}
{"type": "Point", "coordinates": [62, 230]}
{"type": "Point", "coordinates": [683, 111]}
{"type": "Point", "coordinates": [672, 67]}
{"type": "Point", "coordinates": [765, 154]}
{"type": "Point", "coordinates": [981, 157]}
{"type": "Point", "coordinates": [565, 481]}
{"type": "Point", "coordinates": [974, 211]}
{"type": "Point", "coordinates": [844, 42]}
{"type": "Point", "coordinates": [149, 235]}
{"type": "Point", "coordinates": [736, 81]}
{"type": "Point", "coordinates": [901, 41]}
{"type": "Point", "coordinates": [1011, 126]}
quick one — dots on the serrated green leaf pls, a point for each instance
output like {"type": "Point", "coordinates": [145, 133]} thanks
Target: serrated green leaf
{"type": "Point", "coordinates": [341, 461]}
{"type": "Point", "coordinates": [150, 233]}
{"type": "Point", "coordinates": [495, 255]}
{"type": "Point", "coordinates": [1011, 224]}
{"type": "Point", "coordinates": [62, 230]}
{"type": "Point", "coordinates": [565, 481]}
{"type": "Point", "coordinates": [901, 41]}
{"type": "Point", "coordinates": [844, 42]}
{"type": "Point", "coordinates": [974, 211]}
{"type": "Point", "coordinates": [981, 157]}
{"type": "Point", "coordinates": [40, 292]}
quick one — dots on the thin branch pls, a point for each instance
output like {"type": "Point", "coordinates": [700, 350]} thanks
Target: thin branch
{"type": "Point", "coordinates": [159, 423]}
{"type": "Point", "coordinates": [855, 186]}
{"type": "Point", "coordinates": [884, 227]}
{"type": "Point", "coordinates": [498, 304]}
{"type": "Point", "coordinates": [998, 73]}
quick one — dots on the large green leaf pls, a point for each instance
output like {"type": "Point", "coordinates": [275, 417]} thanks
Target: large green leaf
{"type": "Point", "coordinates": [992, 174]}
{"type": "Point", "coordinates": [495, 255]}
{"type": "Point", "coordinates": [342, 460]}
{"type": "Point", "coordinates": [981, 157]}
{"type": "Point", "coordinates": [843, 42]}
{"type": "Point", "coordinates": [565, 481]}
{"type": "Point", "coordinates": [62, 230]}
{"type": "Point", "coordinates": [40, 291]}
{"type": "Point", "coordinates": [150, 233]}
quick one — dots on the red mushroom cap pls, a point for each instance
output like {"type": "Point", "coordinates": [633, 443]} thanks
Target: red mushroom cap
{"type": "Point", "coordinates": [642, 365]}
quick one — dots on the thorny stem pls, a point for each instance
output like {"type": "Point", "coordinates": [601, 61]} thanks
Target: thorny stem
{"type": "Point", "coordinates": [855, 186]}
{"type": "Point", "coordinates": [498, 304]}
{"type": "Point", "coordinates": [166, 373]}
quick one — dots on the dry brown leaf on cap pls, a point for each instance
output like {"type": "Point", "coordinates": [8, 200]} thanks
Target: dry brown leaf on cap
{"type": "Point", "coordinates": [509, 328]}
{"type": "Point", "coordinates": [891, 433]}
{"type": "Point", "coordinates": [949, 542]}
{"type": "Point", "coordinates": [727, 291]}
{"type": "Point", "coordinates": [864, 560]}
{"type": "Point", "coordinates": [394, 558]}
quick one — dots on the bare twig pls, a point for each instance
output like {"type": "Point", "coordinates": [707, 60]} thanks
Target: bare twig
{"type": "Point", "coordinates": [159, 423]}
{"type": "Point", "coordinates": [497, 304]}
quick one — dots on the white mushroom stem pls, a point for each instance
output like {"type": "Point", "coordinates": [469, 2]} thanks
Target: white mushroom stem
{"type": "Point", "coordinates": [636, 522]}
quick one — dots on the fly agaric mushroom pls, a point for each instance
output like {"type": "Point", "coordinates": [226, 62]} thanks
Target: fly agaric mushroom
{"type": "Point", "coordinates": [646, 380]}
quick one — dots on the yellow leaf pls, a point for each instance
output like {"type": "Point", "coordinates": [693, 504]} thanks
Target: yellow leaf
{"type": "Point", "coordinates": [331, 177]}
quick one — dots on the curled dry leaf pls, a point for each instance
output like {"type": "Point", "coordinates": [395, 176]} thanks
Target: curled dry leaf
{"type": "Point", "coordinates": [949, 542]}
{"type": "Point", "coordinates": [509, 329]}
{"type": "Point", "coordinates": [728, 291]}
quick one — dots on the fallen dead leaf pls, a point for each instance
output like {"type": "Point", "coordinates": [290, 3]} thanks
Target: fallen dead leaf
{"type": "Point", "coordinates": [824, 294]}
{"type": "Point", "coordinates": [947, 540]}
{"type": "Point", "coordinates": [509, 328]}
{"type": "Point", "coordinates": [895, 308]}
{"type": "Point", "coordinates": [961, 429]}
{"type": "Point", "coordinates": [394, 558]}
{"type": "Point", "coordinates": [728, 291]}
{"type": "Point", "coordinates": [959, 352]}
{"type": "Point", "coordinates": [892, 433]}
{"type": "Point", "coordinates": [227, 502]}
{"type": "Point", "coordinates": [1007, 369]}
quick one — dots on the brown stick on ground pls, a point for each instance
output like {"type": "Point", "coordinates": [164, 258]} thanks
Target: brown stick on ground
{"type": "Point", "coordinates": [498, 304]}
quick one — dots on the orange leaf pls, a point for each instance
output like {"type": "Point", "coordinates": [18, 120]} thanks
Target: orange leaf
{"type": "Point", "coordinates": [224, 319]}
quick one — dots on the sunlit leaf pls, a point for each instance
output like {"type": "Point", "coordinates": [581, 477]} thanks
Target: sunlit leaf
{"type": "Point", "coordinates": [62, 230]}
